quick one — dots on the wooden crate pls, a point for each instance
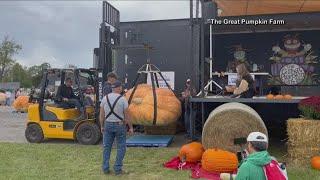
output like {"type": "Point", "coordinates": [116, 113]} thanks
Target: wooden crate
{"type": "Point", "coordinates": [161, 130]}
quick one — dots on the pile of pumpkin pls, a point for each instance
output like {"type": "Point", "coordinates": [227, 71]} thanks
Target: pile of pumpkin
{"type": "Point", "coordinates": [217, 160]}
{"type": "Point", "coordinates": [212, 160]}
{"type": "Point", "coordinates": [21, 103]}
{"type": "Point", "coordinates": [279, 97]}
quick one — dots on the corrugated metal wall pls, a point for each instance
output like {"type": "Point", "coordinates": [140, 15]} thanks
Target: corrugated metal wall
{"type": "Point", "coordinates": [170, 40]}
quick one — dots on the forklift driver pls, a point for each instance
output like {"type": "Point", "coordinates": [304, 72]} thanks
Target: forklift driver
{"type": "Point", "coordinates": [66, 98]}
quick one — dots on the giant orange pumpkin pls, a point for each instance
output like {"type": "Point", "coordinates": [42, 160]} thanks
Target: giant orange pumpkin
{"type": "Point", "coordinates": [141, 109]}
{"type": "Point", "coordinates": [3, 98]}
{"type": "Point", "coordinates": [315, 162]}
{"type": "Point", "coordinates": [21, 103]}
{"type": "Point", "coordinates": [219, 161]}
{"type": "Point", "coordinates": [191, 152]}
{"type": "Point", "coordinates": [270, 96]}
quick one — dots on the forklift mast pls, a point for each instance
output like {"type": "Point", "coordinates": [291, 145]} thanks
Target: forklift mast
{"type": "Point", "coordinates": [109, 36]}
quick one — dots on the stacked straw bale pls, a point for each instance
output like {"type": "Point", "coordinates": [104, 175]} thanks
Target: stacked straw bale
{"type": "Point", "coordinates": [230, 121]}
{"type": "Point", "coordinates": [303, 140]}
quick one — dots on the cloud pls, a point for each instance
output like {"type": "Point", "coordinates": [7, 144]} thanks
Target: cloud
{"type": "Point", "coordinates": [151, 10]}
{"type": "Point", "coordinates": [65, 32]}
{"type": "Point", "coordinates": [41, 52]}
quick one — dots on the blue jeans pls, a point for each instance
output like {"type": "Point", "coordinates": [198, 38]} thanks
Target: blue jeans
{"type": "Point", "coordinates": [187, 120]}
{"type": "Point", "coordinates": [112, 131]}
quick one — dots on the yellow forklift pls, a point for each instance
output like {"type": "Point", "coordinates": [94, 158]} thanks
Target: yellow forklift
{"type": "Point", "coordinates": [48, 119]}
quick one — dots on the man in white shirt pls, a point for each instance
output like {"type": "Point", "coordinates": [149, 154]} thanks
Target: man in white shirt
{"type": "Point", "coordinates": [113, 120]}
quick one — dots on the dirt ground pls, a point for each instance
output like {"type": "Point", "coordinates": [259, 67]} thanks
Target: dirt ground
{"type": "Point", "coordinates": [12, 127]}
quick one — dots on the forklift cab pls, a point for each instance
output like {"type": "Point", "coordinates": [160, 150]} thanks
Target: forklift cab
{"type": "Point", "coordinates": [50, 109]}
{"type": "Point", "coordinates": [49, 118]}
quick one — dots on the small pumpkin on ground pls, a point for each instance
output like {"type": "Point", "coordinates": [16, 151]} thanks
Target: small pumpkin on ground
{"type": "Point", "coordinates": [315, 162]}
{"type": "Point", "coordinates": [219, 161]}
{"type": "Point", "coordinates": [191, 152]}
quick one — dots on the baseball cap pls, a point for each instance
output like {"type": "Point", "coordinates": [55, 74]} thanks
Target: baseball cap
{"type": "Point", "coordinates": [116, 84]}
{"type": "Point", "coordinates": [188, 80]}
{"type": "Point", "coordinates": [257, 136]}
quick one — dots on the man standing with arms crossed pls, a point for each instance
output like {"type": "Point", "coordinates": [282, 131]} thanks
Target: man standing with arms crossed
{"type": "Point", "coordinates": [113, 120]}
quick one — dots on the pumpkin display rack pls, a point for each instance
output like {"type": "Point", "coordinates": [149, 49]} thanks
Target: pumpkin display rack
{"type": "Point", "coordinates": [153, 71]}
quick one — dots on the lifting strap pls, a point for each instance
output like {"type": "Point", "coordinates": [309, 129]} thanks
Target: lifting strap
{"type": "Point", "coordinates": [112, 108]}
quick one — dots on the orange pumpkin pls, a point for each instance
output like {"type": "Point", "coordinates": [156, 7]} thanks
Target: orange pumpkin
{"type": "Point", "coordinates": [191, 152]}
{"type": "Point", "coordinates": [279, 97]}
{"type": "Point", "coordinates": [270, 96]}
{"type": "Point", "coordinates": [21, 103]}
{"type": "Point", "coordinates": [142, 106]}
{"type": "Point", "coordinates": [3, 98]}
{"type": "Point", "coordinates": [219, 161]}
{"type": "Point", "coordinates": [315, 162]}
{"type": "Point", "coordinates": [287, 97]}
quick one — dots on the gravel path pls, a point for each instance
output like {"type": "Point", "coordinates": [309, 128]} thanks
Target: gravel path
{"type": "Point", "coordinates": [12, 125]}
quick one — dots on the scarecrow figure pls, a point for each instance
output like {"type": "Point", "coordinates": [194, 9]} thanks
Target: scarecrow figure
{"type": "Point", "coordinates": [239, 55]}
{"type": "Point", "coordinates": [292, 46]}
{"type": "Point", "coordinates": [294, 64]}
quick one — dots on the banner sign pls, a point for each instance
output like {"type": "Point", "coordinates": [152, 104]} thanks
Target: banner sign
{"type": "Point", "coordinates": [232, 79]}
{"type": "Point", "coordinates": [167, 75]}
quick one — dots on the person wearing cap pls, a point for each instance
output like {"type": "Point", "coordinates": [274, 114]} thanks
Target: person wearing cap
{"type": "Point", "coordinates": [111, 78]}
{"type": "Point", "coordinates": [251, 168]}
{"type": "Point", "coordinates": [113, 120]}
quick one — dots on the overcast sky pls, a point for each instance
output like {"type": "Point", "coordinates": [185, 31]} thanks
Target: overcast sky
{"type": "Point", "coordinates": [65, 32]}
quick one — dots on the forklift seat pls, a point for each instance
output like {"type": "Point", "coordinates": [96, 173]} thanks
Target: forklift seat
{"type": "Point", "coordinates": [63, 114]}
{"type": "Point", "coordinates": [52, 105]}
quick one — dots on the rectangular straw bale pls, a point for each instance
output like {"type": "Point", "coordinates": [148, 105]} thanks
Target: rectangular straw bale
{"type": "Point", "coordinates": [303, 140]}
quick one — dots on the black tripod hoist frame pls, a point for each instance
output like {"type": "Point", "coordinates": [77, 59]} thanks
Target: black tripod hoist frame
{"type": "Point", "coordinates": [153, 71]}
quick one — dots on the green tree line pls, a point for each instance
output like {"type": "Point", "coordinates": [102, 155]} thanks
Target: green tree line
{"type": "Point", "coordinates": [13, 71]}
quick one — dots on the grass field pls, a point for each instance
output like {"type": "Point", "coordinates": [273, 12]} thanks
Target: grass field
{"type": "Point", "coordinates": [73, 161]}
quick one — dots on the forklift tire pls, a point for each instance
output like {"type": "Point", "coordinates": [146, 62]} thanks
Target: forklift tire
{"type": "Point", "coordinates": [88, 133]}
{"type": "Point", "coordinates": [34, 133]}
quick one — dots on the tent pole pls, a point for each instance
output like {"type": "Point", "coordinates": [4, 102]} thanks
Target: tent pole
{"type": "Point", "coordinates": [211, 55]}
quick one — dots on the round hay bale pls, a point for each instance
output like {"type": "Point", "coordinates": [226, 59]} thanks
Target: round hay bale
{"type": "Point", "coordinates": [230, 121]}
